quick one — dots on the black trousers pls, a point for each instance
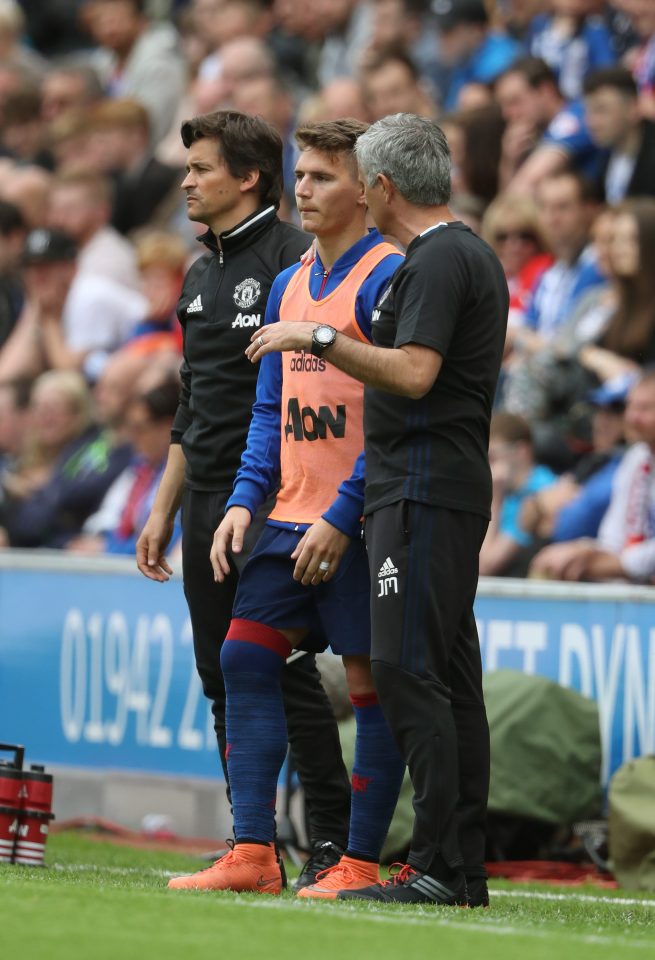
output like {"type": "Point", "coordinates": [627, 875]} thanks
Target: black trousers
{"type": "Point", "coordinates": [427, 669]}
{"type": "Point", "coordinates": [313, 733]}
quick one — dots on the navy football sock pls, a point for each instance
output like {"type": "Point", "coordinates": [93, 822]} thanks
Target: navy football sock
{"type": "Point", "coordinates": [252, 659]}
{"type": "Point", "coordinates": [377, 777]}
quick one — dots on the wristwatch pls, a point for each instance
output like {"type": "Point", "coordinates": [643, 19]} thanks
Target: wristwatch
{"type": "Point", "coordinates": [323, 337]}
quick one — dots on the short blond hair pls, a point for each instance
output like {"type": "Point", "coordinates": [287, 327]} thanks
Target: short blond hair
{"type": "Point", "coordinates": [514, 209]}
{"type": "Point", "coordinates": [160, 247]}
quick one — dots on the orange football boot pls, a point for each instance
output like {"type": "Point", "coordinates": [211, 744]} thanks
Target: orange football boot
{"type": "Point", "coordinates": [347, 874]}
{"type": "Point", "coordinates": [248, 867]}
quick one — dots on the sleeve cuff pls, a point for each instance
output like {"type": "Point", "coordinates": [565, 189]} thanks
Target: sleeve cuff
{"type": "Point", "coordinates": [345, 514]}
{"type": "Point", "coordinates": [246, 494]}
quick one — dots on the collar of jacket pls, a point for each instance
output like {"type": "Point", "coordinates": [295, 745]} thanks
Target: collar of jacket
{"type": "Point", "coordinates": [242, 234]}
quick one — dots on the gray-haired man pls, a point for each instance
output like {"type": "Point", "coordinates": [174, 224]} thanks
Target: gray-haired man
{"type": "Point", "coordinates": [438, 331]}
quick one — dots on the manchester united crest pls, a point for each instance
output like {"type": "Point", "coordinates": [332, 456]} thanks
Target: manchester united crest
{"type": "Point", "coordinates": [246, 294]}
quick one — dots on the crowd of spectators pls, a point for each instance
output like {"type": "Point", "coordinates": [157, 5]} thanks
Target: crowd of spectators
{"type": "Point", "coordinates": [549, 108]}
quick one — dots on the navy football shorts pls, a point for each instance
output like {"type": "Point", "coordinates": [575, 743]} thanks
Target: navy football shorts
{"type": "Point", "coordinates": [336, 613]}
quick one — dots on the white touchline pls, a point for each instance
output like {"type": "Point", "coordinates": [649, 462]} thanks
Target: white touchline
{"type": "Point", "coordinates": [426, 917]}
{"type": "Point", "coordinates": [525, 894]}
{"type": "Point", "coordinates": [581, 897]}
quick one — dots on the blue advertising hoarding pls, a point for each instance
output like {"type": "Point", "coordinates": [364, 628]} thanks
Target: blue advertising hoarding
{"type": "Point", "coordinates": [96, 663]}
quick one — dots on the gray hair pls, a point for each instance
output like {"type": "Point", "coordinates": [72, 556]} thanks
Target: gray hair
{"type": "Point", "coordinates": [413, 152]}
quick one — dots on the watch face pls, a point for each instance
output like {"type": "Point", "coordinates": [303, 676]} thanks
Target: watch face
{"type": "Point", "coordinates": [324, 335]}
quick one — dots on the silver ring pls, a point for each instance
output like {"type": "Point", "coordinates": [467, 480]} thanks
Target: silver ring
{"type": "Point", "coordinates": [324, 565]}
{"type": "Point", "coordinates": [260, 341]}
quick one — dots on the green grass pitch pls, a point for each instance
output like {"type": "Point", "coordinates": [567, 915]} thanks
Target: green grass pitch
{"type": "Point", "coordinates": [108, 902]}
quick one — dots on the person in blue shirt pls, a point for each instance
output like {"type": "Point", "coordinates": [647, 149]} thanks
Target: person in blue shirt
{"type": "Point", "coordinates": [516, 477]}
{"type": "Point", "coordinates": [565, 214]}
{"type": "Point", "coordinates": [127, 504]}
{"type": "Point", "coordinates": [575, 505]}
{"type": "Point", "coordinates": [572, 43]}
{"type": "Point", "coordinates": [475, 53]}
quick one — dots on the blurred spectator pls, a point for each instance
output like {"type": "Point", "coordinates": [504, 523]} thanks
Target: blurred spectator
{"type": "Point", "coordinates": [71, 143]}
{"type": "Point", "coordinates": [625, 38]}
{"type": "Point", "coordinates": [474, 96]}
{"type": "Point", "coordinates": [391, 84]}
{"type": "Point", "coordinates": [615, 123]}
{"type": "Point", "coordinates": [54, 27]}
{"type": "Point", "coordinates": [477, 152]}
{"type": "Point", "coordinates": [87, 463]}
{"type": "Point", "coordinates": [573, 41]}
{"type": "Point", "coordinates": [508, 548]}
{"type": "Point", "coordinates": [339, 98]}
{"type": "Point", "coordinates": [58, 413]}
{"type": "Point", "coordinates": [29, 189]}
{"type": "Point", "coordinates": [143, 185]}
{"type": "Point", "coordinates": [406, 25]}
{"type": "Point", "coordinates": [529, 99]}
{"type": "Point", "coordinates": [271, 98]}
{"type": "Point", "coordinates": [225, 20]}
{"type": "Point", "coordinates": [244, 59]}
{"type": "Point", "coordinates": [566, 210]}
{"type": "Point", "coordinates": [475, 51]}
{"type": "Point", "coordinates": [71, 319]}
{"type": "Point", "coordinates": [544, 133]}
{"type": "Point", "coordinates": [80, 206]}
{"type": "Point", "coordinates": [625, 546]}
{"type": "Point", "coordinates": [12, 238]}
{"type": "Point", "coordinates": [68, 85]}
{"type": "Point", "coordinates": [575, 505]}
{"type": "Point", "coordinates": [517, 15]}
{"type": "Point", "coordinates": [629, 340]}
{"type": "Point", "coordinates": [642, 16]}
{"type": "Point", "coordinates": [24, 133]}
{"type": "Point", "coordinates": [546, 382]}
{"type": "Point", "coordinates": [138, 59]}
{"type": "Point", "coordinates": [126, 506]}
{"type": "Point", "coordinates": [468, 209]}
{"type": "Point", "coordinates": [295, 40]}
{"type": "Point", "coordinates": [511, 227]}
{"type": "Point", "coordinates": [162, 260]}
{"type": "Point", "coordinates": [117, 386]}
{"type": "Point", "coordinates": [14, 421]}
{"type": "Point", "coordinates": [346, 28]}
{"type": "Point", "coordinates": [12, 50]}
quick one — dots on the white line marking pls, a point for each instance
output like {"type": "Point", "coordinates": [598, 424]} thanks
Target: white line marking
{"type": "Point", "coordinates": [424, 917]}
{"type": "Point", "coordinates": [519, 894]}
{"type": "Point", "coordinates": [579, 897]}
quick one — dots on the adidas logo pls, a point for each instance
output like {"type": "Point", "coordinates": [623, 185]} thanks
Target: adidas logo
{"type": "Point", "coordinates": [195, 306]}
{"type": "Point", "coordinates": [387, 569]}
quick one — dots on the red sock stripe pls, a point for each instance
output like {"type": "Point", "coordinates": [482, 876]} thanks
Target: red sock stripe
{"type": "Point", "coordinates": [364, 700]}
{"type": "Point", "coordinates": [249, 631]}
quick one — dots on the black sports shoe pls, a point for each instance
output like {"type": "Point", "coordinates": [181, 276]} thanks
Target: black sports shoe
{"type": "Point", "coordinates": [408, 886]}
{"type": "Point", "coordinates": [324, 855]}
{"type": "Point", "coordinates": [477, 891]}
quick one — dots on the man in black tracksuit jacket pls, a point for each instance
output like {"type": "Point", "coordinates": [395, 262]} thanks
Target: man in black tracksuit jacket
{"type": "Point", "coordinates": [233, 185]}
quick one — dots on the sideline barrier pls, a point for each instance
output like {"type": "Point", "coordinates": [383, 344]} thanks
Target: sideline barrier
{"type": "Point", "coordinates": [96, 663]}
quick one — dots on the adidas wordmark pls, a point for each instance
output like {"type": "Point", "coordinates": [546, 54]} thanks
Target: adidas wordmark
{"type": "Point", "coordinates": [387, 569]}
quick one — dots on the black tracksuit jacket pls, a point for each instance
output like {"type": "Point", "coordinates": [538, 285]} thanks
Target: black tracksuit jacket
{"type": "Point", "coordinates": [222, 304]}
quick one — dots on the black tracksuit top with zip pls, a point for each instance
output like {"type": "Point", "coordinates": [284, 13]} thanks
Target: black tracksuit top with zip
{"type": "Point", "coordinates": [222, 304]}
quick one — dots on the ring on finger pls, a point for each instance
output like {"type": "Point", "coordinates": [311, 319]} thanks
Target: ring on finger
{"type": "Point", "coordinates": [324, 566]}
{"type": "Point", "coordinates": [260, 341]}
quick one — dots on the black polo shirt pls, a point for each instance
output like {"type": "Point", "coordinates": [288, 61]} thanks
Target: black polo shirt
{"type": "Point", "coordinates": [449, 294]}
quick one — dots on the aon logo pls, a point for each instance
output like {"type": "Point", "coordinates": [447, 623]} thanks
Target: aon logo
{"type": "Point", "coordinates": [308, 424]}
{"type": "Point", "coordinates": [247, 320]}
